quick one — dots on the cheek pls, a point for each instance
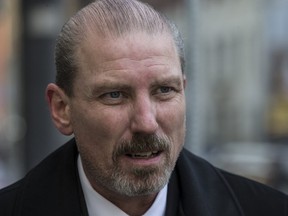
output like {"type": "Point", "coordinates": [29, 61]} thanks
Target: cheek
{"type": "Point", "coordinates": [111, 123]}
{"type": "Point", "coordinates": [97, 135]}
{"type": "Point", "coordinates": [172, 118]}
{"type": "Point", "coordinates": [102, 126]}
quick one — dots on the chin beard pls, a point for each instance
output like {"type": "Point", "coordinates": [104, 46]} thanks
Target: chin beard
{"type": "Point", "coordinates": [141, 181]}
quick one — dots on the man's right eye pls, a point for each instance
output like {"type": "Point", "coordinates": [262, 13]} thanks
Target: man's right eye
{"type": "Point", "coordinates": [115, 94]}
{"type": "Point", "coordinates": [112, 98]}
{"type": "Point", "coordinates": [112, 95]}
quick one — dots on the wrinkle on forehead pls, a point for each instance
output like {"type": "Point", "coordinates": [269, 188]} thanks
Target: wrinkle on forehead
{"type": "Point", "coordinates": [125, 63]}
{"type": "Point", "coordinates": [133, 40]}
{"type": "Point", "coordinates": [99, 55]}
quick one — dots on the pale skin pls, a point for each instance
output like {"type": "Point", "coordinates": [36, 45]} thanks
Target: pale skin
{"type": "Point", "coordinates": [132, 84]}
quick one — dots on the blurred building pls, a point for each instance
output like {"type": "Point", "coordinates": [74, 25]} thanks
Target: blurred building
{"type": "Point", "coordinates": [27, 36]}
{"type": "Point", "coordinates": [229, 75]}
{"type": "Point", "coordinates": [12, 124]}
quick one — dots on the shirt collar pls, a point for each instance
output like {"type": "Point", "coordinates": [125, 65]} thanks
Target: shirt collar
{"type": "Point", "coordinates": [98, 205]}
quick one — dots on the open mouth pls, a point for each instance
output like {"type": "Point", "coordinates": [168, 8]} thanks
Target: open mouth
{"type": "Point", "coordinates": [143, 155]}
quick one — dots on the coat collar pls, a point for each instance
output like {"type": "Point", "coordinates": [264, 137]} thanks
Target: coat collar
{"type": "Point", "coordinates": [52, 187]}
{"type": "Point", "coordinates": [199, 189]}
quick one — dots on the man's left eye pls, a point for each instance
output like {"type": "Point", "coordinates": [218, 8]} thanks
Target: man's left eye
{"type": "Point", "coordinates": [115, 94]}
{"type": "Point", "coordinates": [165, 89]}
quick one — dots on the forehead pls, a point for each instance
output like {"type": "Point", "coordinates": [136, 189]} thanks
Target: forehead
{"type": "Point", "coordinates": [135, 45]}
{"type": "Point", "coordinates": [137, 60]}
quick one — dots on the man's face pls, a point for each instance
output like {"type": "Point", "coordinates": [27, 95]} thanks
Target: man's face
{"type": "Point", "coordinates": [128, 112]}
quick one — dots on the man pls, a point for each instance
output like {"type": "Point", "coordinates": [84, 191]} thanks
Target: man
{"type": "Point", "coordinates": [120, 91]}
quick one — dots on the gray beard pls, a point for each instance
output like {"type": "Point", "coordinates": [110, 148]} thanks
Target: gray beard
{"type": "Point", "coordinates": [139, 181]}
{"type": "Point", "coordinates": [145, 181]}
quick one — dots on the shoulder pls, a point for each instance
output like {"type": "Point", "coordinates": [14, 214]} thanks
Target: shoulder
{"type": "Point", "coordinates": [253, 198]}
{"type": "Point", "coordinates": [8, 198]}
{"type": "Point", "coordinates": [44, 179]}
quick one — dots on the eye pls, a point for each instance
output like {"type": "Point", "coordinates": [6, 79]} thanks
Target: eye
{"type": "Point", "coordinates": [115, 94]}
{"type": "Point", "coordinates": [112, 98]}
{"type": "Point", "coordinates": [164, 93]}
{"type": "Point", "coordinates": [112, 95]}
{"type": "Point", "coordinates": [165, 89]}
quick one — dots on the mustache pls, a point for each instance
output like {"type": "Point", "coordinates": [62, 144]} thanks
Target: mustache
{"type": "Point", "coordinates": [143, 143]}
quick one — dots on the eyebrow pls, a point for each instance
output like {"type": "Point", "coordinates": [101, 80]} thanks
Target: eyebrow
{"type": "Point", "coordinates": [107, 86]}
{"type": "Point", "coordinates": [175, 80]}
{"type": "Point", "coordinates": [110, 85]}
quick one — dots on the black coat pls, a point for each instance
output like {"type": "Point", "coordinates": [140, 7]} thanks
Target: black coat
{"type": "Point", "coordinates": [196, 188]}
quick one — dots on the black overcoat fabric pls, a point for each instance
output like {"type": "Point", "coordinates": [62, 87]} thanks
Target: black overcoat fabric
{"type": "Point", "coordinates": [196, 188]}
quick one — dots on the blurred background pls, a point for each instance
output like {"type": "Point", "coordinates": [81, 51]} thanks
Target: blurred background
{"type": "Point", "coordinates": [237, 94]}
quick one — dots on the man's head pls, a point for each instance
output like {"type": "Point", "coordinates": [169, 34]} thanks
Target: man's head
{"type": "Point", "coordinates": [124, 97]}
{"type": "Point", "coordinates": [110, 18]}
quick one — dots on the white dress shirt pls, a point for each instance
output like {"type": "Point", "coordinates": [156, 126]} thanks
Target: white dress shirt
{"type": "Point", "coordinates": [97, 205]}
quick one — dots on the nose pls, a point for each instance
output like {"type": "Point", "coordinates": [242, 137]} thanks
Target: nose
{"type": "Point", "coordinates": [143, 118]}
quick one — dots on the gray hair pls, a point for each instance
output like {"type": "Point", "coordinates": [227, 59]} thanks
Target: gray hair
{"type": "Point", "coordinates": [107, 18]}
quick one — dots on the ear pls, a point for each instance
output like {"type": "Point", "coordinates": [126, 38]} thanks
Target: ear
{"type": "Point", "coordinates": [59, 106]}
{"type": "Point", "coordinates": [184, 81]}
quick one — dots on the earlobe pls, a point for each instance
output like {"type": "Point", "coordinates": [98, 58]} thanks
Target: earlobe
{"type": "Point", "coordinates": [184, 81]}
{"type": "Point", "coordinates": [58, 103]}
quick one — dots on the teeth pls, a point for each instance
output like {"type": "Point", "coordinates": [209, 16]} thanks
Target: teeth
{"type": "Point", "coordinates": [143, 154]}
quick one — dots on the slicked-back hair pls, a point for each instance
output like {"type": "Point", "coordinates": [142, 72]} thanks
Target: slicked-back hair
{"type": "Point", "coordinates": [107, 18]}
